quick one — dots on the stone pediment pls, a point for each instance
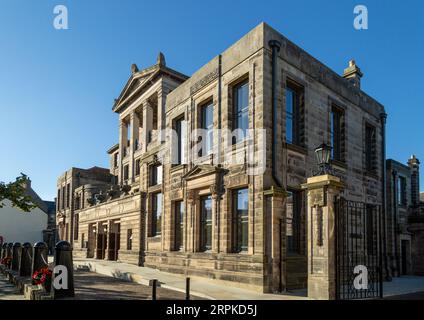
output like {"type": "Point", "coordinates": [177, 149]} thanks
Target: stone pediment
{"type": "Point", "coordinates": [134, 84]}
{"type": "Point", "coordinates": [204, 176]}
{"type": "Point", "coordinates": [201, 171]}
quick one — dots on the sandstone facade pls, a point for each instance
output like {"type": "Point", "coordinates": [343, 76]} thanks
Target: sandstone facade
{"type": "Point", "coordinates": [186, 216]}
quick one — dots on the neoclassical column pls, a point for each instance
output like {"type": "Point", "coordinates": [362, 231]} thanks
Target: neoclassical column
{"type": "Point", "coordinates": [147, 124]}
{"type": "Point", "coordinates": [191, 230]}
{"type": "Point", "coordinates": [122, 145]}
{"type": "Point", "coordinates": [216, 192]}
{"type": "Point", "coordinates": [322, 192]}
{"type": "Point", "coordinates": [135, 124]}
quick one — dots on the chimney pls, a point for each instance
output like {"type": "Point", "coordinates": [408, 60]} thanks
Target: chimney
{"type": "Point", "coordinates": [414, 165]}
{"type": "Point", "coordinates": [353, 74]}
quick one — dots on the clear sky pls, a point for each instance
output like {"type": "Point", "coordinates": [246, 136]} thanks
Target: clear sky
{"type": "Point", "coordinates": [57, 86]}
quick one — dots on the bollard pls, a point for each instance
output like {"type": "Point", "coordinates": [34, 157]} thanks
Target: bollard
{"type": "Point", "coordinates": [3, 251]}
{"type": "Point", "coordinates": [187, 288]}
{"type": "Point", "coordinates": [63, 258]}
{"type": "Point", "coordinates": [39, 257]}
{"type": "Point", "coordinates": [25, 256]}
{"type": "Point", "coordinates": [15, 256]}
{"type": "Point", "coordinates": [154, 286]}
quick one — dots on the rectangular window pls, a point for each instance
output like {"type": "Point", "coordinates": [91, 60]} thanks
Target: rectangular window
{"type": "Point", "coordinates": [126, 172]}
{"type": "Point", "coordinates": [241, 109]}
{"type": "Point", "coordinates": [337, 134]}
{"type": "Point", "coordinates": [115, 159]}
{"type": "Point", "coordinates": [240, 219]}
{"type": "Point", "coordinates": [129, 239]}
{"type": "Point", "coordinates": [68, 195]}
{"type": "Point", "coordinates": [63, 197]}
{"type": "Point", "coordinates": [156, 214]}
{"type": "Point", "coordinates": [179, 219]}
{"type": "Point", "coordinates": [370, 148]}
{"type": "Point", "coordinates": [137, 167]}
{"type": "Point", "coordinates": [82, 240]}
{"type": "Point", "coordinates": [401, 191]}
{"type": "Point", "coordinates": [181, 127]}
{"type": "Point", "coordinates": [155, 175]}
{"type": "Point", "coordinates": [206, 117]}
{"type": "Point", "coordinates": [205, 223]}
{"type": "Point", "coordinates": [293, 209]}
{"type": "Point", "coordinates": [294, 113]}
{"type": "Point", "coordinates": [76, 226]}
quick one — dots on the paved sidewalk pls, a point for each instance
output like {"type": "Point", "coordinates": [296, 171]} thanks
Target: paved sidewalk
{"type": "Point", "coordinates": [403, 285]}
{"type": "Point", "coordinates": [200, 287]}
{"type": "Point", "coordinates": [94, 286]}
{"type": "Point", "coordinates": [8, 291]}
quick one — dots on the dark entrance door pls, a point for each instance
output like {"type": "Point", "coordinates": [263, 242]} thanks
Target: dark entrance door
{"type": "Point", "coordinates": [101, 245]}
{"type": "Point", "coordinates": [114, 243]}
{"type": "Point", "coordinates": [358, 243]}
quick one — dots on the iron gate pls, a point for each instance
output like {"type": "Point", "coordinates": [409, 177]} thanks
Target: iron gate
{"type": "Point", "coordinates": [358, 243]}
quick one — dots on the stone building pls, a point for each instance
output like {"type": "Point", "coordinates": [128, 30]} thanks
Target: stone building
{"type": "Point", "coordinates": [228, 206]}
{"type": "Point", "coordinates": [405, 217]}
{"type": "Point", "coordinates": [66, 220]}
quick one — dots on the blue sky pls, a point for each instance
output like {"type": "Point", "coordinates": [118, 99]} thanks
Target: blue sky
{"type": "Point", "coordinates": [57, 86]}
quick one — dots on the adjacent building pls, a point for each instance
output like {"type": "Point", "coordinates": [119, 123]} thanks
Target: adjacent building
{"type": "Point", "coordinates": [19, 226]}
{"type": "Point", "coordinates": [66, 220]}
{"type": "Point", "coordinates": [206, 177]}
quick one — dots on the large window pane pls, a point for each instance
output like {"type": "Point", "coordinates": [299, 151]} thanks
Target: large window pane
{"type": "Point", "coordinates": [206, 223]}
{"type": "Point", "coordinates": [179, 218]}
{"type": "Point", "coordinates": [156, 214]}
{"type": "Point", "coordinates": [290, 107]}
{"type": "Point", "coordinates": [180, 126]}
{"type": "Point", "coordinates": [241, 219]}
{"type": "Point", "coordinates": [241, 108]}
{"type": "Point", "coordinates": [207, 124]}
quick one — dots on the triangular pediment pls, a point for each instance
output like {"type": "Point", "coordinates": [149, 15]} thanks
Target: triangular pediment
{"type": "Point", "coordinates": [201, 170]}
{"type": "Point", "coordinates": [133, 85]}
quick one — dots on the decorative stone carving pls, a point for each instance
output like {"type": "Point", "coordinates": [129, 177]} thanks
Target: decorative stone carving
{"type": "Point", "coordinates": [191, 196]}
{"type": "Point", "coordinates": [126, 189]}
{"type": "Point", "coordinates": [134, 68]}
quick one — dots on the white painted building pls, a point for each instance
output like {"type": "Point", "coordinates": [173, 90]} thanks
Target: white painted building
{"type": "Point", "coordinates": [19, 226]}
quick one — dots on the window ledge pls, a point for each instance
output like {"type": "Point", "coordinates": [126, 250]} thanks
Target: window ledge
{"type": "Point", "coordinates": [339, 163]}
{"type": "Point", "coordinates": [371, 174]}
{"type": "Point", "coordinates": [296, 148]}
{"type": "Point", "coordinates": [177, 167]}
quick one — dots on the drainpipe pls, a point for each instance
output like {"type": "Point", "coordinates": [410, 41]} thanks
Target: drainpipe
{"type": "Point", "coordinates": [218, 200]}
{"type": "Point", "coordinates": [383, 118]}
{"type": "Point", "coordinates": [275, 46]}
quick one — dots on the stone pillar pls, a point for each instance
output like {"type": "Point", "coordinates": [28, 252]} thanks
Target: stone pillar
{"type": "Point", "coordinates": [25, 260]}
{"type": "Point", "coordinates": [191, 198]}
{"type": "Point", "coordinates": [276, 233]}
{"type": "Point", "coordinates": [135, 124]}
{"type": "Point", "coordinates": [63, 260]}
{"type": "Point", "coordinates": [15, 256]}
{"type": "Point", "coordinates": [322, 192]}
{"type": "Point", "coordinates": [147, 124]}
{"type": "Point", "coordinates": [122, 146]}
